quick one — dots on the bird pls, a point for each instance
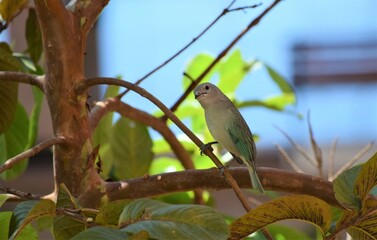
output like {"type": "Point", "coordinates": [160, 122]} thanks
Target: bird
{"type": "Point", "coordinates": [229, 128]}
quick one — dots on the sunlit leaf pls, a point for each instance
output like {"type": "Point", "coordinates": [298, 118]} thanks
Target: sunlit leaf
{"type": "Point", "coordinates": [5, 218]}
{"type": "Point", "coordinates": [102, 233]}
{"type": "Point", "coordinates": [300, 207]}
{"type": "Point", "coordinates": [277, 103]}
{"type": "Point", "coordinates": [166, 221]}
{"type": "Point", "coordinates": [131, 148]}
{"type": "Point", "coordinates": [40, 209]}
{"type": "Point", "coordinates": [3, 199]}
{"type": "Point", "coordinates": [196, 67]}
{"type": "Point", "coordinates": [283, 84]}
{"type": "Point", "coordinates": [367, 178]}
{"type": "Point", "coordinates": [109, 213]}
{"type": "Point", "coordinates": [13, 142]}
{"type": "Point", "coordinates": [66, 227]}
{"type": "Point", "coordinates": [232, 70]}
{"type": "Point", "coordinates": [279, 231]}
{"type": "Point", "coordinates": [8, 8]}
{"type": "Point", "coordinates": [8, 89]}
{"type": "Point", "coordinates": [164, 165]}
{"type": "Point", "coordinates": [33, 36]}
{"type": "Point", "coordinates": [344, 188]}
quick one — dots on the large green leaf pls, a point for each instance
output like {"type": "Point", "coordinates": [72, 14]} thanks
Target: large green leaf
{"type": "Point", "coordinates": [277, 103]}
{"type": "Point", "coordinates": [3, 199]}
{"type": "Point", "coordinates": [20, 212]}
{"type": "Point", "coordinates": [300, 207]}
{"type": "Point", "coordinates": [367, 178]}
{"type": "Point", "coordinates": [40, 209]}
{"type": "Point", "coordinates": [109, 213]}
{"type": "Point", "coordinates": [8, 89]}
{"type": "Point", "coordinates": [66, 227]}
{"type": "Point", "coordinates": [344, 188]}
{"type": "Point", "coordinates": [5, 218]}
{"type": "Point", "coordinates": [33, 36]}
{"type": "Point", "coordinates": [166, 221]}
{"type": "Point", "coordinates": [131, 148]}
{"type": "Point", "coordinates": [283, 84]}
{"type": "Point", "coordinates": [365, 229]}
{"type": "Point", "coordinates": [8, 8]}
{"type": "Point", "coordinates": [102, 233]}
{"type": "Point", "coordinates": [13, 142]}
{"type": "Point", "coordinates": [232, 70]}
{"type": "Point", "coordinates": [196, 67]}
{"type": "Point", "coordinates": [102, 135]}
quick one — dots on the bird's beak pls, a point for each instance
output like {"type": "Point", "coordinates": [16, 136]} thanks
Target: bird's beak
{"type": "Point", "coordinates": [197, 94]}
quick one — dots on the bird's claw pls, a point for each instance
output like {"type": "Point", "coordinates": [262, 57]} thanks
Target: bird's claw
{"type": "Point", "coordinates": [205, 146]}
{"type": "Point", "coordinates": [222, 170]}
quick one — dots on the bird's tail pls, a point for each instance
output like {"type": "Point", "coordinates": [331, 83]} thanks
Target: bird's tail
{"type": "Point", "coordinates": [255, 182]}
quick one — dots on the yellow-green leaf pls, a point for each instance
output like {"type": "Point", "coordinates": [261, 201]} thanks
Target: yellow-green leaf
{"type": "Point", "coordinates": [33, 36]}
{"type": "Point", "coordinates": [344, 188]}
{"type": "Point", "coordinates": [8, 8]}
{"type": "Point", "coordinates": [109, 213]}
{"type": "Point", "coordinates": [41, 208]}
{"type": "Point", "coordinates": [367, 178]}
{"type": "Point", "coordinates": [300, 207]}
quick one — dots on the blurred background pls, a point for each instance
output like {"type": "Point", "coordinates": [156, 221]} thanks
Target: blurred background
{"type": "Point", "coordinates": [326, 49]}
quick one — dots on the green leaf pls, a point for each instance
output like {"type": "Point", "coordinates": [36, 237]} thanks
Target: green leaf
{"type": "Point", "coordinates": [65, 227]}
{"type": "Point", "coordinates": [131, 148]}
{"type": "Point", "coordinates": [34, 116]}
{"type": "Point", "coordinates": [8, 89]}
{"type": "Point", "coordinates": [33, 36]}
{"type": "Point", "coordinates": [196, 67]}
{"type": "Point", "coordinates": [283, 84]}
{"type": "Point", "coordinates": [166, 221]}
{"type": "Point", "coordinates": [300, 207]}
{"type": "Point", "coordinates": [109, 213]}
{"type": "Point", "coordinates": [366, 179]}
{"type": "Point", "coordinates": [344, 188]}
{"type": "Point", "coordinates": [164, 165]}
{"type": "Point", "coordinates": [277, 103]}
{"type": "Point", "coordinates": [13, 142]}
{"type": "Point", "coordinates": [5, 218]}
{"type": "Point", "coordinates": [279, 231]}
{"type": "Point", "coordinates": [40, 209]}
{"type": "Point", "coordinates": [3, 199]}
{"type": "Point", "coordinates": [20, 212]}
{"type": "Point", "coordinates": [102, 233]}
{"type": "Point", "coordinates": [8, 8]}
{"type": "Point", "coordinates": [232, 71]}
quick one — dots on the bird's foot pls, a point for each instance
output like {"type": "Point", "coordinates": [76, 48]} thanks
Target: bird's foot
{"type": "Point", "coordinates": [205, 146]}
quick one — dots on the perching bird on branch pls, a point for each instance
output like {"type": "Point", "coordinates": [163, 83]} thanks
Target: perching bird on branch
{"type": "Point", "coordinates": [229, 128]}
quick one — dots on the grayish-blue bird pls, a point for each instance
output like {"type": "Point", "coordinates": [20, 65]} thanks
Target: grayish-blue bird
{"type": "Point", "coordinates": [229, 128]}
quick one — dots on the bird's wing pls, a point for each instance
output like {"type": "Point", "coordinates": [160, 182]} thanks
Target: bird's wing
{"type": "Point", "coordinates": [242, 139]}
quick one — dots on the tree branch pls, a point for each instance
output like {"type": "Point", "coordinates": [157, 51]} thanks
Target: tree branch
{"type": "Point", "coordinates": [220, 56]}
{"type": "Point", "coordinates": [31, 152]}
{"type": "Point", "coordinates": [20, 77]}
{"type": "Point", "coordinates": [83, 86]}
{"type": "Point", "coordinates": [210, 179]}
{"type": "Point", "coordinates": [17, 195]}
{"type": "Point", "coordinates": [114, 104]}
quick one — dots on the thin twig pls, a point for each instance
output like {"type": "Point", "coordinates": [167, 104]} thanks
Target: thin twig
{"type": "Point", "coordinates": [23, 78]}
{"type": "Point", "coordinates": [331, 160]}
{"type": "Point", "coordinates": [20, 194]}
{"type": "Point", "coordinates": [298, 147]}
{"type": "Point", "coordinates": [31, 152]}
{"type": "Point", "coordinates": [112, 81]}
{"type": "Point", "coordinates": [351, 162]}
{"type": "Point", "coordinates": [316, 149]}
{"type": "Point", "coordinates": [223, 13]}
{"type": "Point", "coordinates": [286, 157]}
{"type": "Point", "coordinates": [220, 56]}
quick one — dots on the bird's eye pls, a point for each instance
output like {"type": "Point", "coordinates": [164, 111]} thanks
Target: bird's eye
{"type": "Point", "coordinates": [206, 87]}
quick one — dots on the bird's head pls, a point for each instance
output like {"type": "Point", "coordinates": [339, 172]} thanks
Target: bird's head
{"type": "Point", "coordinates": [206, 94]}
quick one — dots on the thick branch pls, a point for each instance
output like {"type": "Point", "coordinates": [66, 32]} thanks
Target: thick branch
{"type": "Point", "coordinates": [31, 152]}
{"type": "Point", "coordinates": [114, 104]}
{"type": "Point", "coordinates": [221, 55]}
{"type": "Point", "coordinates": [22, 78]}
{"type": "Point", "coordinates": [17, 195]}
{"type": "Point", "coordinates": [210, 179]}
{"type": "Point", "coordinates": [112, 81]}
